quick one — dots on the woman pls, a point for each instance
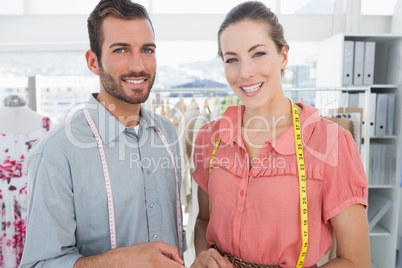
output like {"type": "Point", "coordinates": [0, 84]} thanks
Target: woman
{"type": "Point", "coordinates": [249, 194]}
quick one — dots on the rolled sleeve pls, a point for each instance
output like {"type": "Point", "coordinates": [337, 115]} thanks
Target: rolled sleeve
{"type": "Point", "coordinates": [51, 222]}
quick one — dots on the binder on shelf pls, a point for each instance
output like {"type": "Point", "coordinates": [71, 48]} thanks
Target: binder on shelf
{"type": "Point", "coordinates": [354, 100]}
{"type": "Point", "coordinates": [362, 104]}
{"type": "Point", "coordinates": [373, 104]}
{"type": "Point", "coordinates": [348, 62]}
{"type": "Point", "coordinates": [369, 56]}
{"type": "Point", "coordinates": [358, 63]}
{"type": "Point", "coordinates": [344, 99]}
{"type": "Point", "coordinates": [381, 115]}
{"type": "Point", "coordinates": [378, 207]}
{"type": "Point", "coordinates": [390, 114]}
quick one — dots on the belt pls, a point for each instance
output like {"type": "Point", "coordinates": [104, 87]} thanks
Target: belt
{"type": "Point", "coordinates": [238, 262]}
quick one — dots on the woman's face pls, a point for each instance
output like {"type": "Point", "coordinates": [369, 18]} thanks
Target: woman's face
{"type": "Point", "coordinates": [252, 63]}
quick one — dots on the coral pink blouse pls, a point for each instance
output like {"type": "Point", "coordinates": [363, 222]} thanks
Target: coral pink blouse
{"type": "Point", "coordinates": [255, 214]}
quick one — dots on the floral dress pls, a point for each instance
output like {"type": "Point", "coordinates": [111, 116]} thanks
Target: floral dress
{"type": "Point", "coordinates": [14, 150]}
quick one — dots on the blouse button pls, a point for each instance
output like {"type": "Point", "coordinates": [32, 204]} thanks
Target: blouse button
{"type": "Point", "coordinates": [242, 193]}
{"type": "Point", "coordinates": [148, 172]}
{"type": "Point", "coordinates": [250, 173]}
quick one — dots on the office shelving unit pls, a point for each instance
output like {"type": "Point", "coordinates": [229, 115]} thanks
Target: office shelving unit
{"type": "Point", "coordinates": [387, 79]}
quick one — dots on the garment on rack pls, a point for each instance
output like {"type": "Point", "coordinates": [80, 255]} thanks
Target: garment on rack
{"type": "Point", "coordinates": [203, 118]}
{"type": "Point", "coordinates": [185, 124]}
{"type": "Point", "coordinates": [14, 149]}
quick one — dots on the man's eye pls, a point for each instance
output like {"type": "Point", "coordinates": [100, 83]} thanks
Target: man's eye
{"type": "Point", "coordinates": [120, 50]}
{"type": "Point", "coordinates": [148, 50]}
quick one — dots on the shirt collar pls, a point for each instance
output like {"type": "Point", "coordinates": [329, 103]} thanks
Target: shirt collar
{"type": "Point", "coordinates": [109, 128]}
{"type": "Point", "coordinates": [308, 119]}
{"type": "Point", "coordinates": [230, 125]}
{"type": "Point", "coordinates": [230, 128]}
{"type": "Point", "coordinates": [147, 118]}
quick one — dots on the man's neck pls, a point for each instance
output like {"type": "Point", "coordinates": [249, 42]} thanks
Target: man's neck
{"type": "Point", "coordinates": [126, 113]}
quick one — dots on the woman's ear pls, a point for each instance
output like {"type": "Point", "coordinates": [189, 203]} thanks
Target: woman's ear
{"type": "Point", "coordinates": [92, 62]}
{"type": "Point", "coordinates": [284, 54]}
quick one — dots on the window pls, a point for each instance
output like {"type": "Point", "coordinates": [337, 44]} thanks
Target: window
{"type": "Point", "coordinates": [199, 7]}
{"type": "Point", "coordinates": [319, 7]}
{"type": "Point", "coordinates": [375, 7]}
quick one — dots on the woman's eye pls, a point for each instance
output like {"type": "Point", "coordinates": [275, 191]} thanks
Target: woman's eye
{"type": "Point", "coordinates": [231, 60]}
{"type": "Point", "coordinates": [120, 50]}
{"type": "Point", "coordinates": [259, 54]}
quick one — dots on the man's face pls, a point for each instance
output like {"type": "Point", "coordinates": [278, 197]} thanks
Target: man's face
{"type": "Point", "coordinates": [128, 65]}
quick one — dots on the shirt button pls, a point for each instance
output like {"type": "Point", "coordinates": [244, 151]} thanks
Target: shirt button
{"type": "Point", "coordinates": [250, 173]}
{"type": "Point", "coordinates": [261, 155]}
{"type": "Point", "coordinates": [148, 172]}
{"type": "Point", "coordinates": [241, 193]}
{"type": "Point", "coordinates": [152, 205]}
{"type": "Point", "coordinates": [155, 236]}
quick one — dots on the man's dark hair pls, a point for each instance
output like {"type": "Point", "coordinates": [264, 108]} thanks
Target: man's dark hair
{"type": "Point", "coordinates": [121, 9]}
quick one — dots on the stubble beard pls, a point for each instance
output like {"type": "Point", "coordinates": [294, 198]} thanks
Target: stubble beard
{"type": "Point", "coordinates": [115, 88]}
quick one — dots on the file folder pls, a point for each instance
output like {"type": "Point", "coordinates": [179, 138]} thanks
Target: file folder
{"type": "Point", "coordinates": [344, 99]}
{"type": "Point", "coordinates": [358, 63]}
{"type": "Point", "coordinates": [354, 100]}
{"type": "Point", "coordinates": [369, 56]}
{"type": "Point", "coordinates": [381, 115]}
{"type": "Point", "coordinates": [373, 110]}
{"type": "Point", "coordinates": [348, 63]}
{"type": "Point", "coordinates": [362, 104]}
{"type": "Point", "coordinates": [390, 114]}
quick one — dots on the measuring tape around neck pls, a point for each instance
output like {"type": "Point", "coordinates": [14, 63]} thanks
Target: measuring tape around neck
{"type": "Point", "coordinates": [302, 182]}
{"type": "Point", "coordinates": [112, 225]}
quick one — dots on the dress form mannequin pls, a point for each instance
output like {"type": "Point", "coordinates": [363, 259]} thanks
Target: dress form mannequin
{"type": "Point", "coordinates": [20, 128]}
{"type": "Point", "coordinates": [17, 118]}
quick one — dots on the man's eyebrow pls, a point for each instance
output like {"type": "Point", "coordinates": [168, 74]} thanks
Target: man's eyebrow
{"type": "Point", "coordinates": [149, 45]}
{"type": "Point", "coordinates": [128, 45]}
{"type": "Point", "coordinates": [119, 45]}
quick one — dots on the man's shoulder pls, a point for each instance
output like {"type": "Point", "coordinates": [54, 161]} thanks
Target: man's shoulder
{"type": "Point", "coordinates": [162, 122]}
{"type": "Point", "coordinates": [59, 138]}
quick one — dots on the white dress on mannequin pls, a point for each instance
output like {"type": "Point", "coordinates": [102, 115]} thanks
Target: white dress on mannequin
{"type": "Point", "coordinates": [20, 127]}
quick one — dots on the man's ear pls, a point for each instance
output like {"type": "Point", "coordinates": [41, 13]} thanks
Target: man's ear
{"type": "Point", "coordinates": [92, 62]}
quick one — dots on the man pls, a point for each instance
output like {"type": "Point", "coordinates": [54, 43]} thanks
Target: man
{"type": "Point", "coordinates": [103, 186]}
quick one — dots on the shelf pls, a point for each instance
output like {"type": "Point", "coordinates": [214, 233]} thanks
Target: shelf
{"type": "Point", "coordinates": [378, 230]}
{"type": "Point", "coordinates": [380, 186]}
{"type": "Point", "coordinates": [390, 137]}
{"type": "Point", "coordinates": [380, 86]}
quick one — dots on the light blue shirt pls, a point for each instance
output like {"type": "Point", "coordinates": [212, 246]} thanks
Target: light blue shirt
{"type": "Point", "coordinates": [67, 203]}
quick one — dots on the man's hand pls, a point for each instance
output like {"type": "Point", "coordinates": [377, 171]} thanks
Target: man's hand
{"type": "Point", "coordinates": [212, 259]}
{"type": "Point", "coordinates": [147, 255]}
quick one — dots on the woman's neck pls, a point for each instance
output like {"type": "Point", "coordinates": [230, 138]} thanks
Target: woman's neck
{"type": "Point", "coordinates": [276, 114]}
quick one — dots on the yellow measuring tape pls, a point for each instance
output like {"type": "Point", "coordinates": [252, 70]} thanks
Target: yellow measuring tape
{"type": "Point", "coordinates": [302, 182]}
